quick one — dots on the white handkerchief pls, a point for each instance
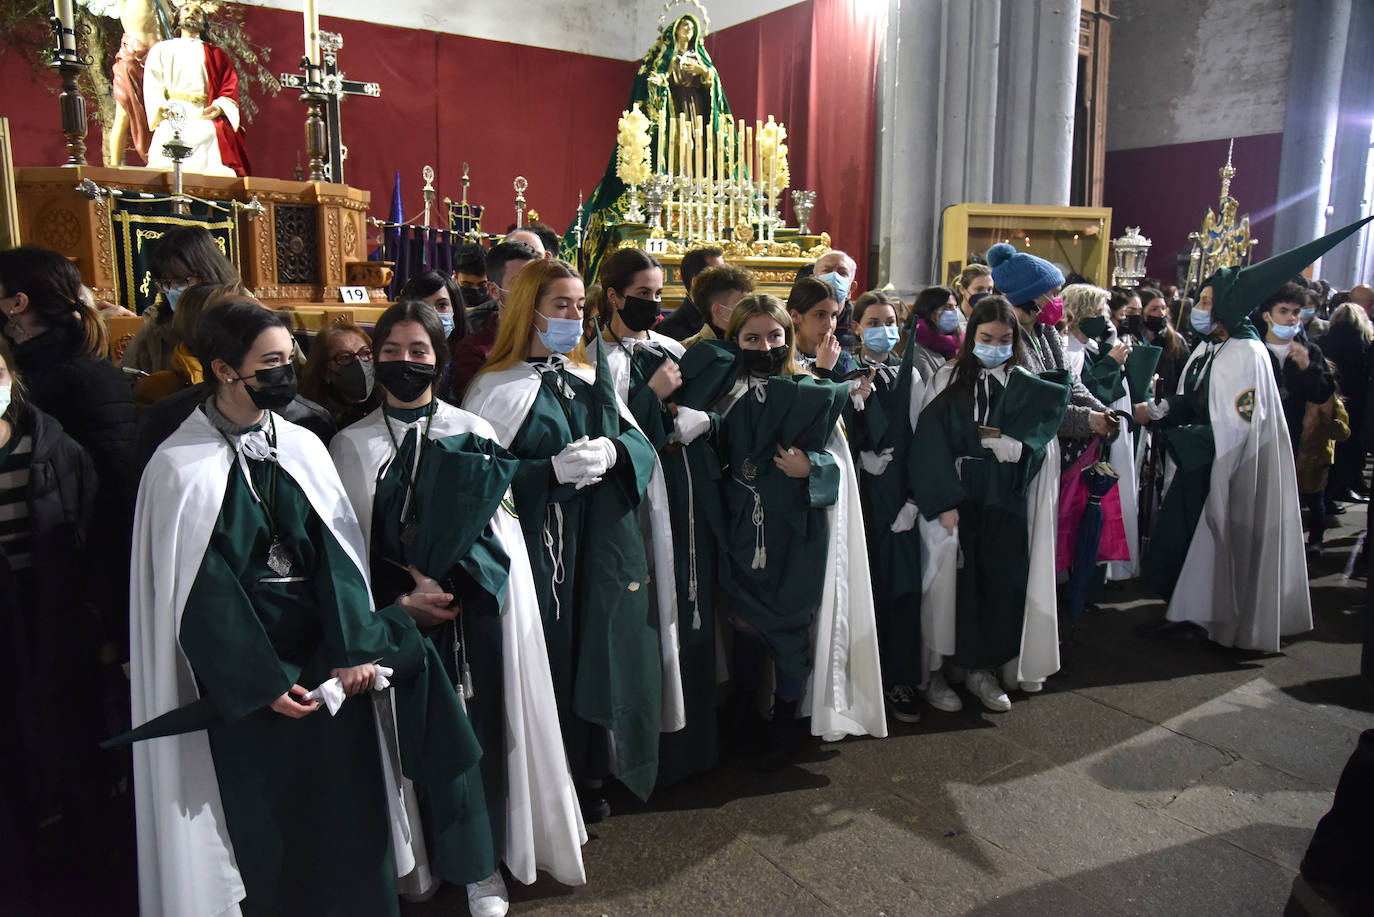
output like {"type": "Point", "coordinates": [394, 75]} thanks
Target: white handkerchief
{"type": "Point", "coordinates": [331, 692]}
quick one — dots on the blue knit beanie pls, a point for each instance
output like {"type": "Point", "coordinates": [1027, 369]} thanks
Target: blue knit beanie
{"type": "Point", "coordinates": [1020, 276]}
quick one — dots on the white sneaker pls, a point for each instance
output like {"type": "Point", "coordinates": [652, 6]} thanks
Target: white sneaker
{"type": "Point", "coordinates": [940, 695]}
{"type": "Point", "coordinates": [983, 685]}
{"type": "Point", "coordinates": [489, 897]}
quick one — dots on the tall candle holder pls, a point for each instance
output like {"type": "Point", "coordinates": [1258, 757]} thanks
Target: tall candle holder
{"type": "Point", "coordinates": [655, 188]}
{"type": "Point", "coordinates": [633, 213]}
{"type": "Point", "coordinates": [71, 103]}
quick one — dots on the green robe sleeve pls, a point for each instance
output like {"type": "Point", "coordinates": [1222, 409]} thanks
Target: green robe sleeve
{"type": "Point", "coordinates": [930, 462]}
{"type": "Point", "coordinates": [823, 484]}
{"type": "Point", "coordinates": [227, 646]}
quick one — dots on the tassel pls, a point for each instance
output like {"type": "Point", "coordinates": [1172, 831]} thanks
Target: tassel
{"type": "Point", "coordinates": [468, 691]}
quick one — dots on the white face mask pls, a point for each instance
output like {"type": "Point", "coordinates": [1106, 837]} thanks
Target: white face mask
{"type": "Point", "coordinates": [4, 398]}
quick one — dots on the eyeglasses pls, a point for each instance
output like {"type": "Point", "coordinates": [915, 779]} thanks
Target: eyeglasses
{"type": "Point", "coordinates": [340, 360]}
{"type": "Point", "coordinates": [173, 284]}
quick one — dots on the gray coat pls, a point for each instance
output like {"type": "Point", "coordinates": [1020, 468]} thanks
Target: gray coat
{"type": "Point", "coordinates": [1081, 403]}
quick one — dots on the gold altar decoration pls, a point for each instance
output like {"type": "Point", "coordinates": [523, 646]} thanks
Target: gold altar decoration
{"type": "Point", "coordinates": [1073, 237]}
{"type": "Point", "coordinates": [1223, 240]}
{"type": "Point", "coordinates": [305, 241]}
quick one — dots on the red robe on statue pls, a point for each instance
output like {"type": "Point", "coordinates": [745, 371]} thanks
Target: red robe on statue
{"type": "Point", "coordinates": [224, 82]}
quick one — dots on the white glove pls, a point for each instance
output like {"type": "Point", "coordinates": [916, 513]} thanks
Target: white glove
{"type": "Point", "coordinates": [689, 424]}
{"type": "Point", "coordinates": [875, 463]}
{"type": "Point", "coordinates": [906, 518]}
{"type": "Point", "coordinates": [1004, 448]}
{"type": "Point", "coordinates": [857, 400]}
{"type": "Point", "coordinates": [583, 461]}
{"type": "Point", "coordinates": [331, 692]}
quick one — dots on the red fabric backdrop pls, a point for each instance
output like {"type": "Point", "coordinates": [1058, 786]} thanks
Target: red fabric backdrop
{"type": "Point", "coordinates": [814, 67]}
{"type": "Point", "coordinates": [1165, 190]}
{"type": "Point", "coordinates": [510, 110]}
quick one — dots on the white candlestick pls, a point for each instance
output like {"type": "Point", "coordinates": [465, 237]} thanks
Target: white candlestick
{"type": "Point", "coordinates": [67, 36]}
{"type": "Point", "coordinates": [312, 31]}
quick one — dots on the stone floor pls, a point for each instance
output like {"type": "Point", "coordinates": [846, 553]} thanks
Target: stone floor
{"type": "Point", "coordinates": [1152, 776]}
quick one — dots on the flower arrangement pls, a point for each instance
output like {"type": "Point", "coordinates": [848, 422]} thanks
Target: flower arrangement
{"type": "Point", "coordinates": [632, 153]}
{"type": "Point", "coordinates": [771, 145]}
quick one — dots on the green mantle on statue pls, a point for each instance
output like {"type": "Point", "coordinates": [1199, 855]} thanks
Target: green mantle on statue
{"type": "Point", "coordinates": [653, 90]}
{"type": "Point", "coordinates": [776, 528]}
{"type": "Point", "coordinates": [293, 788]}
{"type": "Point", "coordinates": [952, 470]}
{"type": "Point", "coordinates": [592, 580]}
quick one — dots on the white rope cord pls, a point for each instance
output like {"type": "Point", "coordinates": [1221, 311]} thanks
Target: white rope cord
{"type": "Point", "coordinates": [556, 557]}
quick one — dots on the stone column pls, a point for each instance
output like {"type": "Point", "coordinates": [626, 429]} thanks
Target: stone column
{"type": "Point", "coordinates": [1038, 77]}
{"type": "Point", "coordinates": [1350, 262]}
{"type": "Point", "coordinates": [953, 131]}
{"type": "Point", "coordinates": [1309, 124]}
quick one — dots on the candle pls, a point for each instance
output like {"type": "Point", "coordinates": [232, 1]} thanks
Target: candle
{"type": "Point", "coordinates": [661, 137]}
{"type": "Point", "coordinates": [710, 156]}
{"type": "Point", "coordinates": [312, 31]}
{"type": "Point", "coordinates": [697, 147]}
{"type": "Point", "coordinates": [722, 139]}
{"type": "Point", "coordinates": [67, 36]}
{"type": "Point", "coordinates": [757, 152]}
{"type": "Point", "coordinates": [749, 152]}
{"type": "Point", "coordinates": [672, 148]}
{"type": "Point", "coordinates": [684, 161]}
{"type": "Point", "coordinates": [739, 148]}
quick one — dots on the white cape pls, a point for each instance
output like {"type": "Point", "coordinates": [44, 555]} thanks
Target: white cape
{"type": "Point", "coordinates": [1039, 657]}
{"type": "Point", "coordinates": [544, 827]}
{"type": "Point", "coordinates": [186, 863]}
{"type": "Point", "coordinates": [504, 399]}
{"type": "Point", "coordinates": [1245, 576]}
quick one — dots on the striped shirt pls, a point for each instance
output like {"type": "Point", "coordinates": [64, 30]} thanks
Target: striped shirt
{"type": "Point", "coordinates": [15, 537]}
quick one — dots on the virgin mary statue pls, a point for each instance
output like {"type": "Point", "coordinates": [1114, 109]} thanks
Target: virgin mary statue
{"type": "Point", "coordinates": [676, 75]}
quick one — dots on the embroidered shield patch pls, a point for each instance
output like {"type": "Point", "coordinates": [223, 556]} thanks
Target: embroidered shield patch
{"type": "Point", "coordinates": [1245, 405]}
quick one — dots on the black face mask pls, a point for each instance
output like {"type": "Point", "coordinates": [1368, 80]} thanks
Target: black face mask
{"type": "Point", "coordinates": [276, 387]}
{"type": "Point", "coordinates": [1154, 323]}
{"type": "Point", "coordinates": [353, 383]}
{"type": "Point", "coordinates": [1130, 324]}
{"type": "Point", "coordinates": [404, 379]}
{"type": "Point", "coordinates": [639, 314]}
{"type": "Point", "coordinates": [765, 362]}
{"type": "Point", "coordinates": [474, 297]}
{"type": "Point", "coordinates": [1095, 327]}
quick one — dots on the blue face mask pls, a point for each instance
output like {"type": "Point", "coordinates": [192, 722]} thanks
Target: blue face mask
{"type": "Point", "coordinates": [1308, 314]}
{"type": "Point", "coordinates": [446, 319]}
{"type": "Point", "coordinates": [1285, 332]}
{"type": "Point", "coordinates": [171, 295]}
{"type": "Point", "coordinates": [1202, 321]}
{"type": "Point", "coordinates": [991, 355]}
{"type": "Point", "coordinates": [949, 321]}
{"type": "Point", "coordinates": [563, 334]}
{"type": "Point", "coordinates": [840, 283]}
{"type": "Point", "coordinates": [882, 338]}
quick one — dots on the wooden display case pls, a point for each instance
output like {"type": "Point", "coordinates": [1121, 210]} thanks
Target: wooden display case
{"type": "Point", "coordinates": [1075, 238]}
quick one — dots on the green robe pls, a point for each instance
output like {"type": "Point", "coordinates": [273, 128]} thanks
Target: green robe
{"type": "Point", "coordinates": [777, 532]}
{"type": "Point", "coordinates": [692, 477]}
{"type": "Point", "coordinates": [293, 789]}
{"type": "Point", "coordinates": [1188, 437]}
{"type": "Point", "coordinates": [894, 558]}
{"type": "Point", "coordinates": [592, 579]}
{"type": "Point", "coordinates": [991, 498]}
{"type": "Point", "coordinates": [467, 851]}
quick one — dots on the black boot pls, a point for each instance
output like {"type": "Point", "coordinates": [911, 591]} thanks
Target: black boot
{"type": "Point", "coordinates": [782, 737]}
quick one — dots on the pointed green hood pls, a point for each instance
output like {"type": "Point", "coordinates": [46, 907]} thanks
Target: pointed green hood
{"type": "Point", "coordinates": [1236, 291]}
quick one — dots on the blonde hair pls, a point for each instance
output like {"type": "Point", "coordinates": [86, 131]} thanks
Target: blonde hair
{"type": "Point", "coordinates": [1354, 314]}
{"type": "Point", "coordinates": [763, 304]}
{"type": "Point", "coordinates": [512, 343]}
{"type": "Point", "coordinates": [1083, 300]}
